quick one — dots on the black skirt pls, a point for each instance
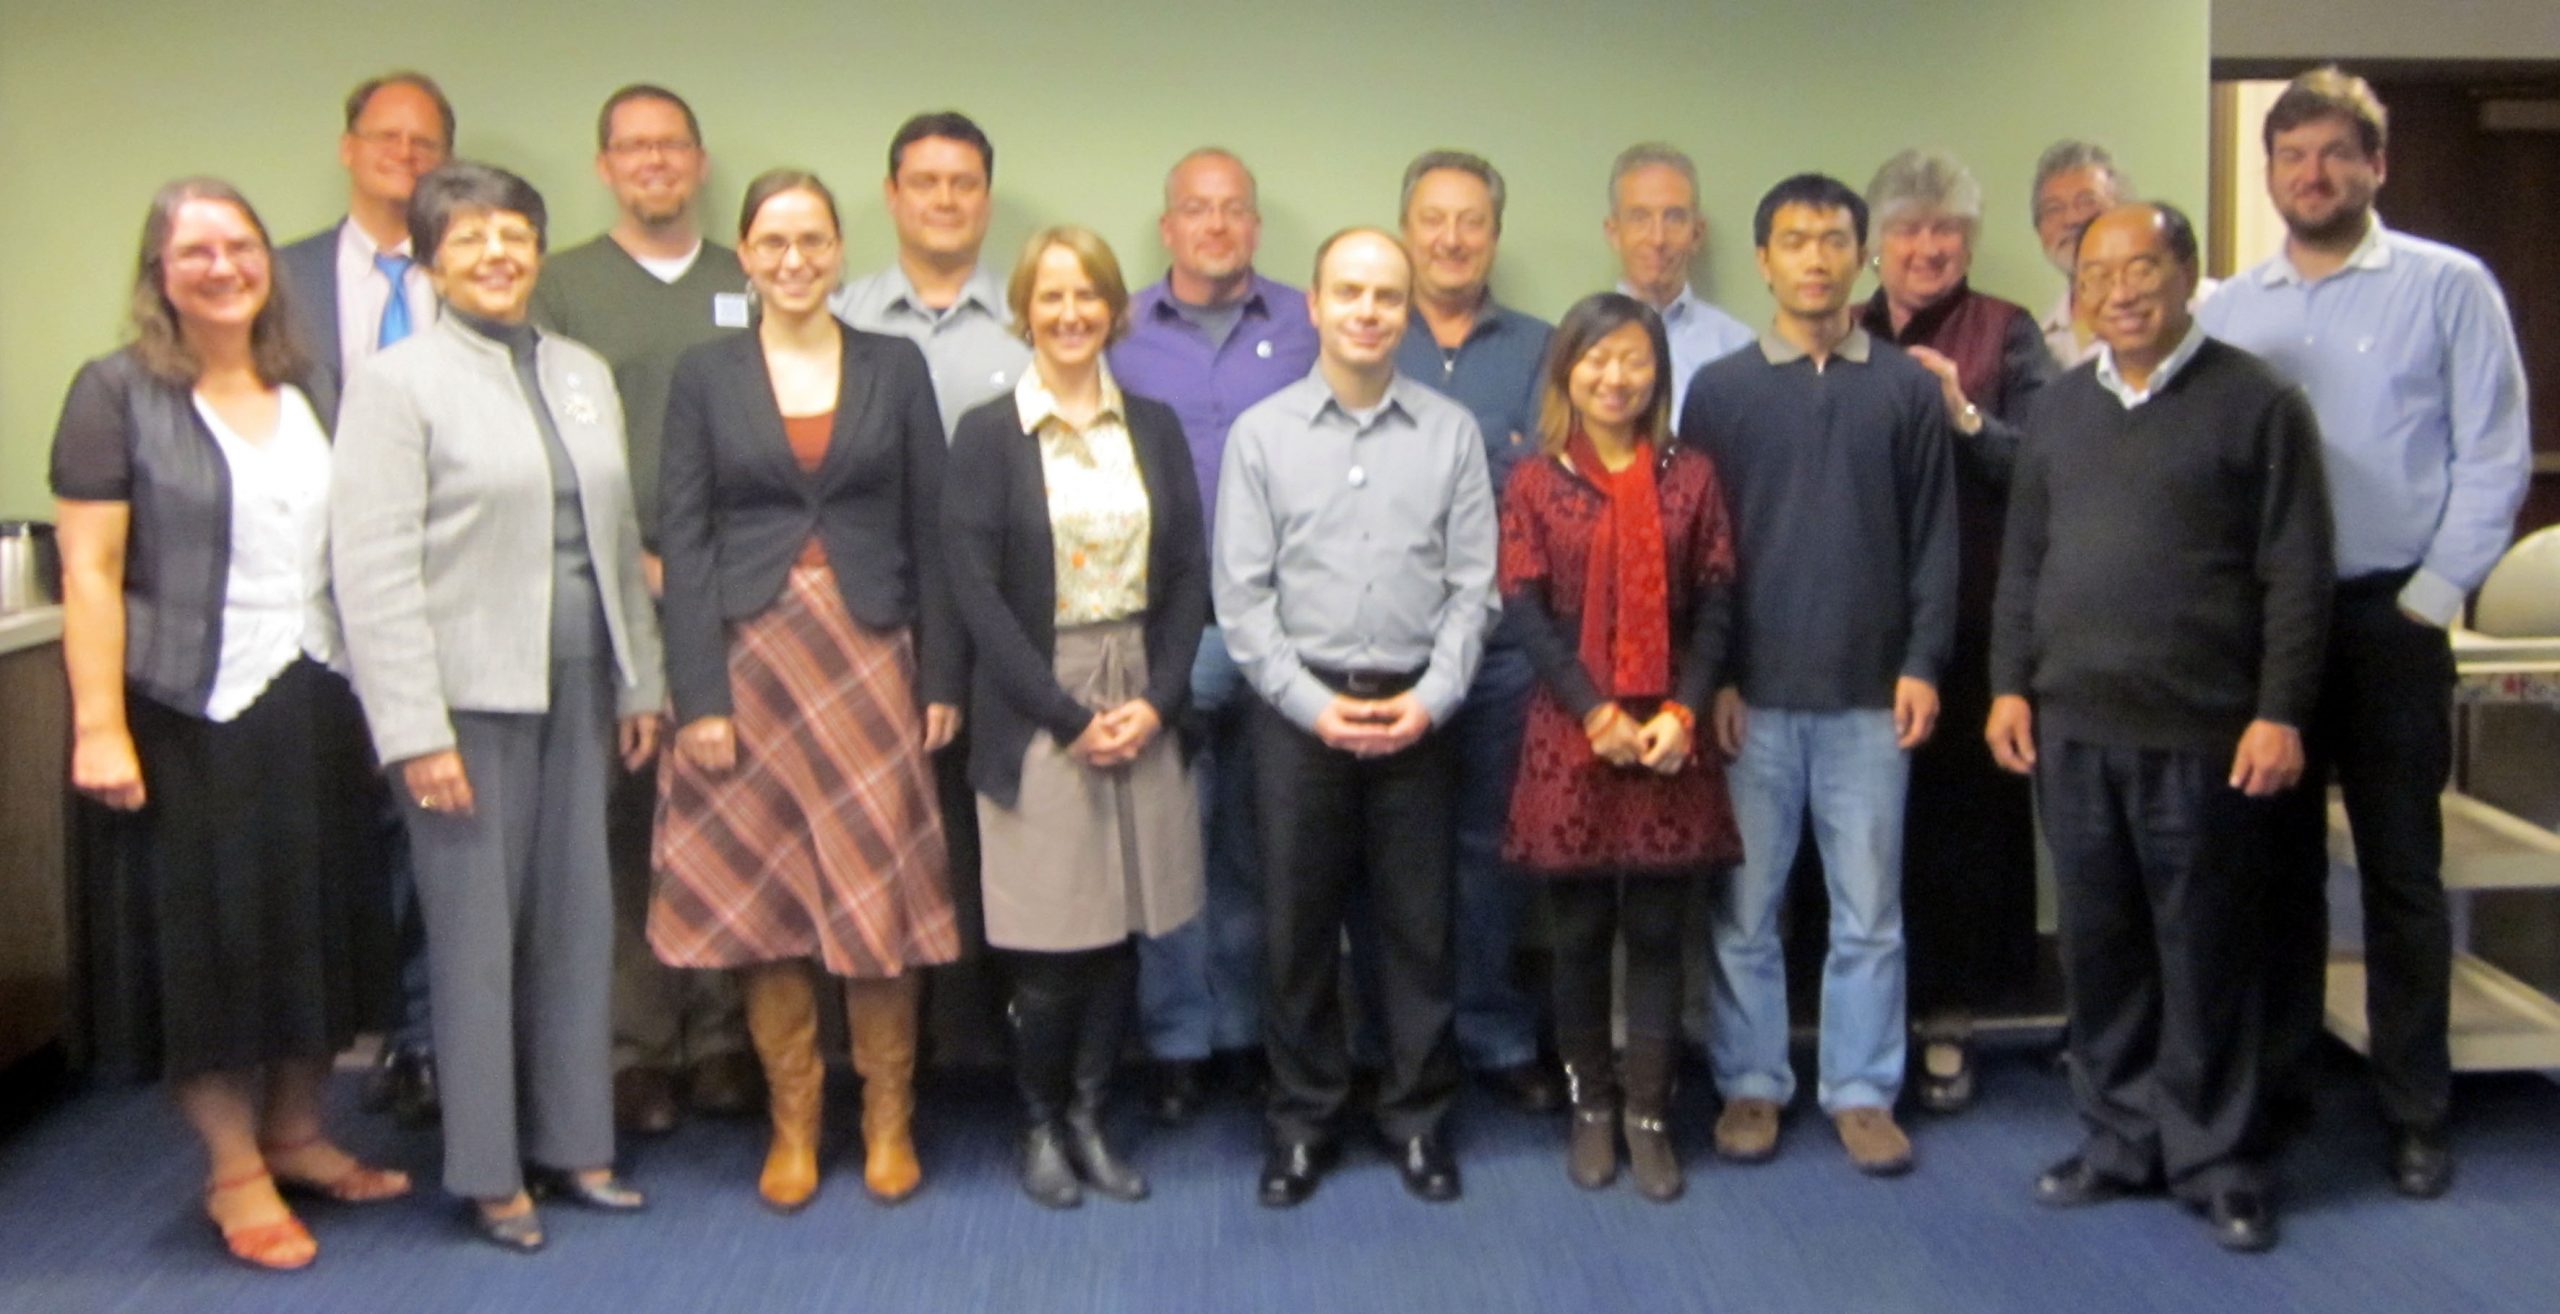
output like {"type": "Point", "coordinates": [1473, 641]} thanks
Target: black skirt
{"type": "Point", "coordinates": [243, 915]}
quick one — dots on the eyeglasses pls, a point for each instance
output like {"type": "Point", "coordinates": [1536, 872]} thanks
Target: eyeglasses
{"type": "Point", "coordinates": [392, 139]}
{"type": "Point", "coordinates": [774, 247]}
{"type": "Point", "coordinates": [632, 148]}
{"type": "Point", "coordinates": [2140, 275]}
{"type": "Point", "coordinates": [197, 258]}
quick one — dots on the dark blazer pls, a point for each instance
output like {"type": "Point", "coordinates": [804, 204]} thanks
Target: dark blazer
{"type": "Point", "coordinates": [310, 283]}
{"type": "Point", "coordinates": [734, 508]}
{"type": "Point", "coordinates": [1004, 581]}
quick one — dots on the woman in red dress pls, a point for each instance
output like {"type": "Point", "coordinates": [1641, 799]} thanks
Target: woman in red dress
{"type": "Point", "coordinates": [1617, 558]}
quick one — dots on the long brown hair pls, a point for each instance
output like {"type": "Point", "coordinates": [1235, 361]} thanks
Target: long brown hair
{"type": "Point", "coordinates": [275, 351]}
{"type": "Point", "coordinates": [1592, 318]}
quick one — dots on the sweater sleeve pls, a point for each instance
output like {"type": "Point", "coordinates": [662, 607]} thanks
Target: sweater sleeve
{"type": "Point", "coordinates": [2022, 552]}
{"type": "Point", "coordinates": [2295, 565]}
{"type": "Point", "coordinates": [1524, 574]}
{"type": "Point", "coordinates": [2026, 366]}
{"type": "Point", "coordinates": [1711, 601]}
{"type": "Point", "coordinates": [974, 512]}
{"type": "Point", "coordinates": [942, 644]}
{"type": "Point", "coordinates": [695, 635]}
{"type": "Point", "coordinates": [1929, 528]}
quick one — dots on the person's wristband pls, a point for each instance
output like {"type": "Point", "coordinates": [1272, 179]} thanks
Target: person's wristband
{"type": "Point", "coordinates": [1679, 711]}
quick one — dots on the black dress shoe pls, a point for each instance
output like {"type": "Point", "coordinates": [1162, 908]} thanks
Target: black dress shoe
{"type": "Point", "coordinates": [404, 1084]}
{"type": "Point", "coordinates": [2075, 1182]}
{"type": "Point", "coordinates": [2421, 1162]}
{"type": "Point", "coordinates": [611, 1195]}
{"type": "Point", "coordinates": [1048, 1177]}
{"type": "Point", "coordinates": [1430, 1172]}
{"type": "Point", "coordinates": [1179, 1092]}
{"type": "Point", "coordinates": [2242, 1220]}
{"type": "Point", "coordinates": [1531, 1087]}
{"type": "Point", "coordinates": [644, 1101]}
{"type": "Point", "coordinates": [1291, 1171]}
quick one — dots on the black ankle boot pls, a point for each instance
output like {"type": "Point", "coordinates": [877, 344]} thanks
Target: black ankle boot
{"type": "Point", "coordinates": [1651, 1158]}
{"type": "Point", "coordinates": [1590, 1077]}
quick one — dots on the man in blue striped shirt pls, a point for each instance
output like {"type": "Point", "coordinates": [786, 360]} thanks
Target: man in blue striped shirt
{"type": "Point", "coordinates": [2406, 350]}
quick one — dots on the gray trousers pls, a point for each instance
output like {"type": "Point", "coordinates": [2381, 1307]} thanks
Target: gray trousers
{"type": "Point", "coordinates": [518, 899]}
{"type": "Point", "coordinates": [666, 1018]}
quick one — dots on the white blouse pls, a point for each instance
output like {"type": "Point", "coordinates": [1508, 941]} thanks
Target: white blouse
{"type": "Point", "coordinates": [275, 604]}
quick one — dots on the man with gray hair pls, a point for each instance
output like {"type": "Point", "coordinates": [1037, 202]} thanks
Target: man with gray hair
{"type": "Point", "coordinates": [2076, 181]}
{"type": "Point", "coordinates": [1463, 343]}
{"type": "Point", "coordinates": [1656, 228]}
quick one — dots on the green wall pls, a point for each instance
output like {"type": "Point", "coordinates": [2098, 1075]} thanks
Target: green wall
{"type": "Point", "coordinates": [99, 103]}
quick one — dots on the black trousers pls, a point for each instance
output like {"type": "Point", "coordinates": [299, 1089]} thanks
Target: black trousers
{"type": "Point", "coordinates": [1336, 828]}
{"type": "Point", "coordinates": [2158, 862]}
{"type": "Point", "coordinates": [1585, 918]}
{"type": "Point", "coordinates": [2385, 728]}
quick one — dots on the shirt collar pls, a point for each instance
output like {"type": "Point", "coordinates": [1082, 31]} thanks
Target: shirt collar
{"type": "Point", "coordinates": [1854, 348]}
{"type": "Point", "coordinates": [2161, 373]}
{"type": "Point", "coordinates": [981, 288]}
{"type": "Point", "coordinates": [1036, 407]}
{"type": "Point", "coordinates": [353, 237]}
{"type": "Point", "coordinates": [2058, 318]}
{"type": "Point", "coordinates": [2371, 253]}
{"type": "Point", "coordinates": [1681, 307]}
{"type": "Point", "coordinates": [1159, 301]}
{"type": "Point", "coordinates": [1318, 397]}
{"type": "Point", "coordinates": [1490, 316]}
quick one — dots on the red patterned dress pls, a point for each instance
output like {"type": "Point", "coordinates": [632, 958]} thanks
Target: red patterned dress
{"type": "Point", "coordinates": [1573, 814]}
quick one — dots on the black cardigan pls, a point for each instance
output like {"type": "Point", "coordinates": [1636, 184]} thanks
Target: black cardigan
{"type": "Point", "coordinates": [735, 508]}
{"type": "Point", "coordinates": [1004, 581]}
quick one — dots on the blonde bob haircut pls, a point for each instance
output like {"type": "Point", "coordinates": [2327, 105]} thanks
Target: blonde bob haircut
{"type": "Point", "coordinates": [1091, 252]}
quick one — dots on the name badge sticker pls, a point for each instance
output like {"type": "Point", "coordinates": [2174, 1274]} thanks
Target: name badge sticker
{"type": "Point", "coordinates": [1263, 349]}
{"type": "Point", "coordinates": [729, 309]}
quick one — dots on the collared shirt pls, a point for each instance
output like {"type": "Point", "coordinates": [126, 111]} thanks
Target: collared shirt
{"type": "Point", "coordinates": [1493, 373]}
{"type": "Point", "coordinates": [970, 345]}
{"type": "Point", "coordinates": [2061, 338]}
{"type": "Point", "coordinates": [2113, 381]}
{"type": "Point", "coordinates": [1356, 543]}
{"type": "Point", "coordinates": [1209, 383]}
{"type": "Point", "coordinates": [2410, 361]}
{"type": "Point", "coordinates": [1699, 332]}
{"type": "Point", "coordinates": [1099, 516]}
{"type": "Point", "coordinates": [364, 292]}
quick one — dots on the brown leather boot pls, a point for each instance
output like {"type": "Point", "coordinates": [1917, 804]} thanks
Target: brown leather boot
{"type": "Point", "coordinates": [1651, 1158]}
{"type": "Point", "coordinates": [882, 1015]}
{"type": "Point", "coordinates": [1591, 1082]}
{"type": "Point", "coordinates": [782, 1018]}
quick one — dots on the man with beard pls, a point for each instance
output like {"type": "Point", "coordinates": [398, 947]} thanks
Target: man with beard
{"type": "Point", "coordinates": [640, 295]}
{"type": "Point", "coordinates": [2076, 181]}
{"type": "Point", "coordinates": [2405, 348]}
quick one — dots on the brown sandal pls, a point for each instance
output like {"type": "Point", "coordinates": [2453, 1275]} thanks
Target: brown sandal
{"type": "Point", "coordinates": [270, 1245]}
{"type": "Point", "coordinates": [359, 1184]}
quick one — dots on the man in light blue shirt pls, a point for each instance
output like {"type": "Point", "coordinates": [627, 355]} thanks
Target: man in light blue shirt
{"type": "Point", "coordinates": [1657, 230]}
{"type": "Point", "coordinates": [2406, 350]}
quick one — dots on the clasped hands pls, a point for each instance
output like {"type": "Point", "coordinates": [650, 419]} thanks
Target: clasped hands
{"type": "Point", "coordinates": [1116, 736]}
{"type": "Point", "coordinates": [1372, 727]}
{"type": "Point", "coordinates": [1661, 745]}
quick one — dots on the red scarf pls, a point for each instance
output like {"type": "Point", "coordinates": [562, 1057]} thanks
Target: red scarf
{"type": "Point", "coordinates": [1626, 591]}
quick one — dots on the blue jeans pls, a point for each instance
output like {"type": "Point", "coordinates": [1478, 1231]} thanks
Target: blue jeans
{"type": "Point", "coordinates": [1497, 1020]}
{"type": "Point", "coordinates": [1845, 768]}
{"type": "Point", "coordinates": [1200, 986]}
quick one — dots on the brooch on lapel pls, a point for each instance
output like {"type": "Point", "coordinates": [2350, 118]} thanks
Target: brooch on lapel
{"type": "Point", "coordinates": [580, 406]}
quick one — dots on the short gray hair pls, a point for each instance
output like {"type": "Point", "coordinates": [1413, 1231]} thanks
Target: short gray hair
{"type": "Point", "coordinates": [1925, 180]}
{"type": "Point", "coordinates": [1464, 162]}
{"type": "Point", "coordinates": [2071, 153]}
{"type": "Point", "coordinates": [1646, 155]}
{"type": "Point", "coordinates": [1252, 185]}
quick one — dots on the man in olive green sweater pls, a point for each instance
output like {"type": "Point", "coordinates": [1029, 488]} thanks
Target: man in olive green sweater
{"type": "Point", "coordinates": [640, 295]}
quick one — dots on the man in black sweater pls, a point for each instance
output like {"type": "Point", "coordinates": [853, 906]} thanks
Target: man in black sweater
{"type": "Point", "coordinates": [1835, 453]}
{"type": "Point", "coordinates": [2158, 635]}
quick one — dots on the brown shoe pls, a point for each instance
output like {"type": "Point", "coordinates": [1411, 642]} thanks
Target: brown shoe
{"type": "Point", "coordinates": [644, 1101]}
{"type": "Point", "coordinates": [782, 1019]}
{"type": "Point", "coordinates": [1875, 1144]}
{"type": "Point", "coordinates": [724, 1085]}
{"type": "Point", "coordinates": [1747, 1131]}
{"type": "Point", "coordinates": [881, 1013]}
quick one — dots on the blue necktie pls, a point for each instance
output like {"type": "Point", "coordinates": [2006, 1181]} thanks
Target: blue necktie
{"type": "Point", "coordinates": [395, 312]}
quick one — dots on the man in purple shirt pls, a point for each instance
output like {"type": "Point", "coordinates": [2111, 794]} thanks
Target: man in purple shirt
{"type": "Point", "coordinates": [1210, 340]}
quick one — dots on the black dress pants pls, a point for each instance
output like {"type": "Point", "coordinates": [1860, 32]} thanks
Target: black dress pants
{"type": "Point", "coordinates": [2158, 862]}
{"type": "Point", "coordinates": [1336, 828]}
{"type": "Point", "coordinates": [2385, 727]}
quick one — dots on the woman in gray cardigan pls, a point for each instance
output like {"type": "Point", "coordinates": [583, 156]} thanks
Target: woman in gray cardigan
{"type": "Point", "coordinates": [489, 562]}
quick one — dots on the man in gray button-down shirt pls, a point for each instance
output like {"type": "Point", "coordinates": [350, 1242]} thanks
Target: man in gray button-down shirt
{"type": "Point", "coordinates": [1353, 573]}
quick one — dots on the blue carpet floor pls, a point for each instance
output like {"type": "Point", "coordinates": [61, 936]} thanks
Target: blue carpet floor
{"type": "Point", "coordinates": [96, 1215]}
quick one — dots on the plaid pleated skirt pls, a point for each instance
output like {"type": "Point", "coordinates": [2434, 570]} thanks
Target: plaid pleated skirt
{"type": "Point", "coordinates": [823, 842]}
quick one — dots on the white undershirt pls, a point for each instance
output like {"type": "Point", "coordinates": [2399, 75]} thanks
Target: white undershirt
{"type": "Point", "coordinates": [275, 602]}
{"type": "Point", "coordinates": [667, 270]}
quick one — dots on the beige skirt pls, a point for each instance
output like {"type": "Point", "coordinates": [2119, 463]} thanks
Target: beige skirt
{"type": "Point", "coordinates": [1087, 858]}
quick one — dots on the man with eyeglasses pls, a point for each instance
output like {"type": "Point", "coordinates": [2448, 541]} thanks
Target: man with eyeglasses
{"type": "Point", "coordinates": [354, 288]}
{"type": "Point", "coordinates": [2162, 610]}
{"type": "Point", "coordinates": [1210, 340]}
{"type": "Point", "coordinates": [641, 294]}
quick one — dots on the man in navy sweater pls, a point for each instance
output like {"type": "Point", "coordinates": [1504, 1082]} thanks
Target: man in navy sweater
{"type": "Point", "coordinates": [2157, 643]}
{"type": "Point", "coordinates": [1835, 452]}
